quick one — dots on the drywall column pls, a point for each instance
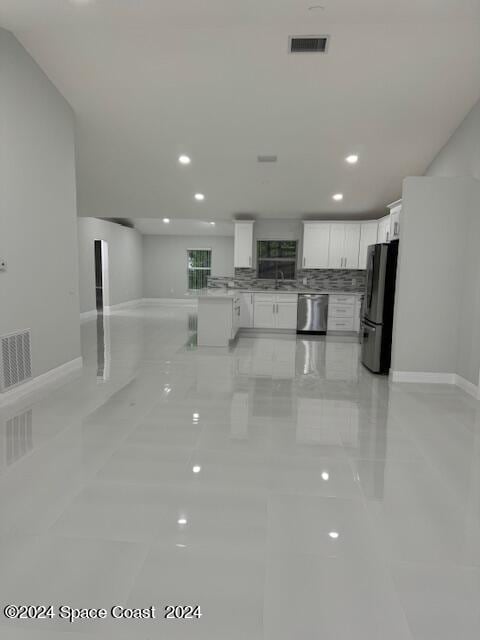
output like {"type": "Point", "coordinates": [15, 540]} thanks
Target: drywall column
{"type": "Point", "coordinates": [432, 265]}
{"type": "Point", "coordinates": [38, 233]}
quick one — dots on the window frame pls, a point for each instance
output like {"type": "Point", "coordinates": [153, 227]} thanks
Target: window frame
{"type": "Point", "coordinates": [278, 261]}
{"type": "Point", "coordinates": [198, 269]}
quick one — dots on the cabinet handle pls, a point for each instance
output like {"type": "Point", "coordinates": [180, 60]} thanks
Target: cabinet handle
{"type": "Point", "coordinates": [251, 298]}
{"type": "Point", "coordinates": [277, 308]}
{"type": "Point", "coordinates": [273, 308]}
{"type": "Point", "coordinates": [395, 229]}
{"type": "Point", "coordinates": [304, 261]}
{"type": "Point", "coordinates": [250, 260]}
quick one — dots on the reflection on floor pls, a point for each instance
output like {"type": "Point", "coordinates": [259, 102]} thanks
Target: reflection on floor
{"type": "Point", "coordinates": [278, 485]}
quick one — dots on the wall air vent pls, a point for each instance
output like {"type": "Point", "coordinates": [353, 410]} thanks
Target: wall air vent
{"type": "Point", "coordinates": [267, 158]}
{"type": "Point", "coordinates": [15, 359]}
{"type": "Point", "coordinates": [308, 44]}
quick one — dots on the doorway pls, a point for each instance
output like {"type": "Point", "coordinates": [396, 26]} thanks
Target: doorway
{"type": "Point", "coordinates": [102, 301]}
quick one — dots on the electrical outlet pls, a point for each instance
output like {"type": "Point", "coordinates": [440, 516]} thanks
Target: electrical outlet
{"type": "Point", "coordinates": [354, 282]}
{"type": "Point", "coordinates": [305, 281]}
{"type": "Point", "coordinates": [3, 264]}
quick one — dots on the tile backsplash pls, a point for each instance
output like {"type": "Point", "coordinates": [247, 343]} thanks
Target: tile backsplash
{"type": "Point", "coordinates": [321, 279]}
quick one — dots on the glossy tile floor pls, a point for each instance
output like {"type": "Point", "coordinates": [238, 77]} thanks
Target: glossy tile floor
{"type": "Point", "coordinates": [278, 485]}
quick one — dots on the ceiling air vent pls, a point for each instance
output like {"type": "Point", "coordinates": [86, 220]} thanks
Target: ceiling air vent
{"type": "Point", "coordinates": [308, 44]}
{"type": "Point", "coordinates": [267, 158]}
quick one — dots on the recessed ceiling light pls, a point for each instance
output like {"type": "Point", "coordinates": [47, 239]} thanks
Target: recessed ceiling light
{"type": "Point", "coordinates": [353, 159]}
{"type": "Point", "coordinates": [212, 223]}
{"type": "Point", "coordinates": [166, 220]}
{"type": "Point", "coordinates": [199, 196]}
{"type": "Point", "coordinates": [81, 3]}
{"type": "Point", "coordinates": [334, 534]}
{"type": "Point", "coordinates": [182, 521]}
{"type": "Point", "coordinates": [184, 160]}
{"type": "Point", "coordinates": [337, 197]}
{"type": "Point", "coordinates": [197, 468]}
{"type": "Point", "coordinates": [325, 475]}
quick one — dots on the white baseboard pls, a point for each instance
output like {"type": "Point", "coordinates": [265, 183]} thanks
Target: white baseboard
{"type": "Point", "coordinates": [41, 382]}
{"type": "Point", "coordinates": [123, 305]}
{"type": "Point", "coordinates": [428, 377]}
{"type": "Point", "coordinates": [423, 377]}
{"type": "Point", "coordinates": [467, 386]}
{"type": "Point", "coordinates": [181, 301]}
{"type": "Point", "coordinates": [87, 315]}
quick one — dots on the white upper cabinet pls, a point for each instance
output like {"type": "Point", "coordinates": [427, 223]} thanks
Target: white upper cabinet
{"type": "Point", "coordinates": [344, 246]}
{"type": "Point", "coordinates": [243, 253]}
{"type": "Point", "coordinates": [316, 242]}
{"type": "Point", "coordinates": [337, 245]}
{"type": "Point", "coordinates": [368, 236]}
{"type": "Point", "coordinates": [352, 246]}
{"type": "Point", "coordinates": [384, 229]}
{"type": "Point", "coordinates": [395, 211]}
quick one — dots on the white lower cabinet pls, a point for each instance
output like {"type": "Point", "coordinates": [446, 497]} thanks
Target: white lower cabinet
{"type": "Point", "coordinates": [275, 311]}
{"type": "Point", "coordinates": [264, 314]}
{"type": "Point", "coordinates": [341, 313]}
{"type": "Point", "coordinates": [246, 310]}
{"type": "Point", "coordinates": [286, 317]}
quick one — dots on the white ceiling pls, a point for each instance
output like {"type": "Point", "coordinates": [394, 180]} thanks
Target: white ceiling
{"type": "Point", "coordinates": [183, 227]}
{"type": "Point", "coordinates": [151, 79]}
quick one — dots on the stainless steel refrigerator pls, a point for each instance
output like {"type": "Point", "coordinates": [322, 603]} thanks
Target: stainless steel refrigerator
{"type": "Point", "coordinates": [377, 318]}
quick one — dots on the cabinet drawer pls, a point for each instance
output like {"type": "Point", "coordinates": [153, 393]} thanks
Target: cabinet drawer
{"type": "Point", "coordinates": [340, 324]}
{"type": "Point", "coordinates": [334, 299]}
{"type": "Point", "coordinates": [340, 311]}
{"type": "Point", "coordinates": [286, 297]}
{"type": "Point", "coordinates": [265, 297]}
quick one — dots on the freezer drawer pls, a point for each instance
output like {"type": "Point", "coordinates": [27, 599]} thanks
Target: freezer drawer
{"type": "Point", "coordinates": [372, 346]}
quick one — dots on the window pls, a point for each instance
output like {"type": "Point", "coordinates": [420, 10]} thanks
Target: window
{"type": "Point", "coordinates": [199, 267]}
{"type": "Point", "coordinates": [276, 259]}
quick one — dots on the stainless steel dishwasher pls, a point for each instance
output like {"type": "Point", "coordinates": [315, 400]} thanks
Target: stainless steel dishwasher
{"type": "Point", "coordinates": [312, 315]}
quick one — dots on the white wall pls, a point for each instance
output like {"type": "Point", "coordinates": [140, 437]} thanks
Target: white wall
{"type": "Point", "coordinates": [38, 233]}
{"type": "Point", "coordinates": [430, 269]}
{"type": "Point", "coordinates": [460, 157]}
{"type": "Point", "coordinates": [165, 262]}
{"type": "Point", "coordinates": [124, 256]}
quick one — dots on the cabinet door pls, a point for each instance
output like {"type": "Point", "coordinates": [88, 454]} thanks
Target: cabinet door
{"type": "Point", "coordinates": [368, 236]}
{"type": "Point", "coordinates": [264, 315]}
{"type": "Point", "coordinates": [384, 230]}
{"type": "Point", "coordinates": [395, 223]}
{"type": "Point", "coordinates": [352, 246]}
{"type": "Point", "coordinates": [286, 315]}
{"type": "Point", "coordinates": [246, 310]}
{"type": "Point", "coordinates": [243, 244]}
{"type": "Point", "coordinates": [337, 246]}
{"type": "Point", "coordinates": [316, 241]}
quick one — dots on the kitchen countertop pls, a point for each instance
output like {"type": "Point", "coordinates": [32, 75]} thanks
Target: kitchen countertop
{"type": "Point", "coordinates": [224, 293]}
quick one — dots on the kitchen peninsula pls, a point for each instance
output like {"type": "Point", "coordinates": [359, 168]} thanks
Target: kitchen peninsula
{"type": "Point", "coordinates": [222, 312]}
